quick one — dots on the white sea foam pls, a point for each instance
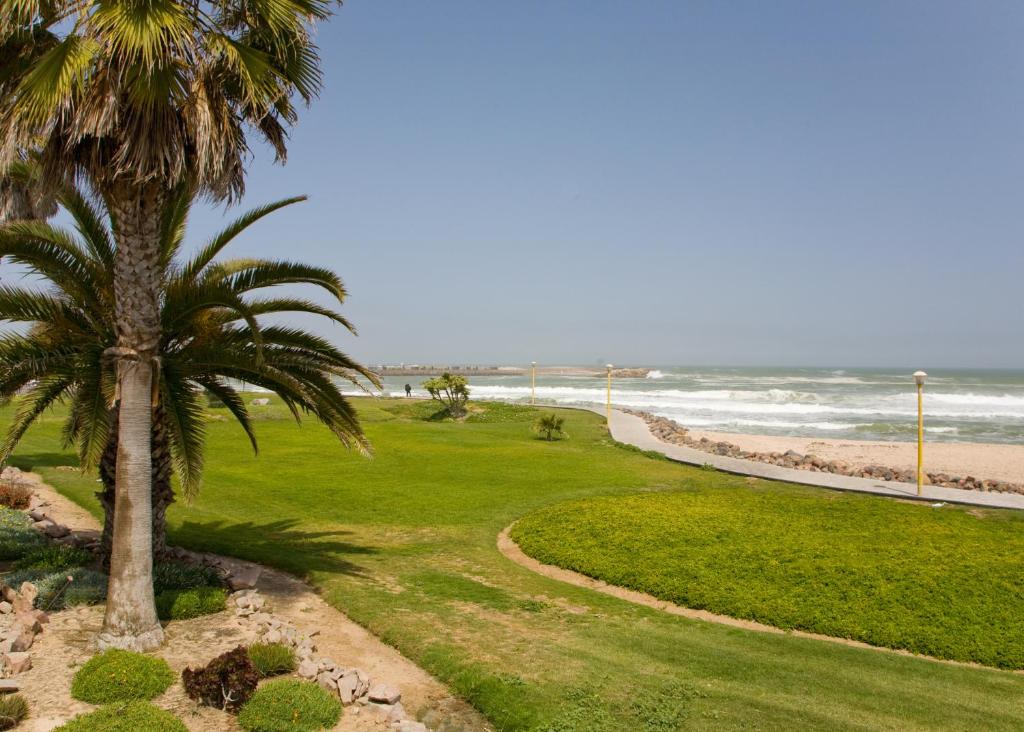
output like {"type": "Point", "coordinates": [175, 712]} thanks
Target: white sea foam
{"type": "Point", "coordinates": [655, 374]}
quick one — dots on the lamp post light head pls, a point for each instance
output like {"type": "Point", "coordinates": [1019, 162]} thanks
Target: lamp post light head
{"type": "Point", "coordinates": [533, 363]}
{"type": "Point", "coordinates": [919, 377]}
{"type": "Point", "coordinates": [608, 366]}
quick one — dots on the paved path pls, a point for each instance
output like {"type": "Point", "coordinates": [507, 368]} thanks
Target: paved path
{"type": "Point", "coordinates": [634, 431]}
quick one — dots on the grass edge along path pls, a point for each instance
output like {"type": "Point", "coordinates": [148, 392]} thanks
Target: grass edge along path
{"type": "Point", "coordinates": [867, 569]}
{"type": "Point", "coordinates": [508, 547]}
{"type": "Point", "coordinates": [404, 544]}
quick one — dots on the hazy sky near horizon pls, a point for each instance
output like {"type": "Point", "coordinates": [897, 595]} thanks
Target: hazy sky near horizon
{"type": "Point", "coordinates": [734, 183]}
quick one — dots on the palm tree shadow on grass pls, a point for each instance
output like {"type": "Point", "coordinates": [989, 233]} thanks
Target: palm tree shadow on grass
{"type": "Point", "coordinates": [279, 544]}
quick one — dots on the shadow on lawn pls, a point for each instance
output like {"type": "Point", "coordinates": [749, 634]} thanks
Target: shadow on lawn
{"type": "Point", "coordinates": [37, 460]}
{"type": "Point", "coordinates": [281, 544]}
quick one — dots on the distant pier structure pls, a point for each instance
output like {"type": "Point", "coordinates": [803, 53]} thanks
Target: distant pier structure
{"type": "Point", "coordinates": [435, 370]}
{"type": "Point", "coordinates": [406, 369]}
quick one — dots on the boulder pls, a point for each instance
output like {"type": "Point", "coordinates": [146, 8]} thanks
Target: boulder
{"type": "Point", "coordinates": [15, 663]}
{"type": "Point", "coordinates": [9, 686]}
{"type": "Point", "coordinates": [348, 685]}
{"type": "Point", "coordinates": [244, 577]}
{"type": "Point", "coordinates": [23, 640]}
{"type": "Point", "coordinates": [409, 725]}
{"type": "Point", "coordinates": [6, 608]}
{"type": "Point", "coordinates": [55, 531]}
{"type": "Point", "coordinates": [307, 669]}
{"type": "Point", "coordinates": [326, 682]}
{"type": "Point", "coordinates": [385, 694]}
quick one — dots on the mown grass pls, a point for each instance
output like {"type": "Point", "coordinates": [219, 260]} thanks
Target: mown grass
{"type": "Point", "coordinates": [884, 572]}
{"type": "Point", "coordinates": [404, 543]}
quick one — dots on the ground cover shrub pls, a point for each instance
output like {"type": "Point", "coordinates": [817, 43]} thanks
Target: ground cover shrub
{"type": "Point", "coordinates": [290, 705]}
{"type": "Point", "coordinates": [191, 603]}
{"type": "Point", "coordinates": [54, 558]}
{"type": "Point", "coordinates": [500, 412]}
{"type": "Point", "coordinates": [117, 675]}
{"type": "Point", "coordinates": [227, 682]}
{"type": "Point", "coordinates": [87, 587]}
{"type": "Point", "coordinates": [879, 571]}
{"type": "Point", "coordinates": [13, 709]}
{"type": "Point", "coordinates": [17, 537]}
{"type": "Point", "coordinates": [15, 494]}
{"type": "Point", "coordinates": [272, 659]}
{"type": "Point", "coordinates": [175, 575]}
{"type": "Point", "coordinates": [136, 716]}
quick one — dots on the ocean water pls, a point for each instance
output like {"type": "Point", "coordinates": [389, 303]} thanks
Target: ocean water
{"type": "Point", "coordinates": [866, 404]}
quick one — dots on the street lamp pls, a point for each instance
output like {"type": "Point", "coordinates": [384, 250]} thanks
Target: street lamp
{"type": "Point", "coordinates": [608, 408]}
{"type": "Point", "coordinates": [533, 382]}
{"type": "Point", "coordinates": [919, 377]}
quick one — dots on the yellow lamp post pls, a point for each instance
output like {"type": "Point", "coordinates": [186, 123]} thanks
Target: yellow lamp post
{"type": "Point", "coordinates": [608, 407]}
{"type": "Point", "coordinates": [533, 382]}
{"type": "Point", "coordinates": [919, 377]}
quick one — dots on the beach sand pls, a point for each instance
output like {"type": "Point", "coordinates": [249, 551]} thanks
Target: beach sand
{"type": "Point", "coordinates": [985, 461]}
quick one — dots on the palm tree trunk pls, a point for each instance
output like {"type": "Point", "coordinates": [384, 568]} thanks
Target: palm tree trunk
{"type": "Point", "coordinates": [163, 491]}
{"type": "Point", "coordinates": [130, 621]}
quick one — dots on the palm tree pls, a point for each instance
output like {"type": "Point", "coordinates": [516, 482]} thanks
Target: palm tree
{"type": "Point", "coordinates": [550, 425]}
{"type": "Point", "coordinates": [211, 338]}
{"type": "Point", "coordinates": [137, 96]}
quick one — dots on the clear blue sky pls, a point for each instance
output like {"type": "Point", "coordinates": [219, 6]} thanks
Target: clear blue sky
{"type": "Point", "coordinates": [736, 183]}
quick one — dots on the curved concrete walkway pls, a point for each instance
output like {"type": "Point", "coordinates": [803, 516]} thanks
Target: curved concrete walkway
{"type": "Point", "coordinates": [632, 430]}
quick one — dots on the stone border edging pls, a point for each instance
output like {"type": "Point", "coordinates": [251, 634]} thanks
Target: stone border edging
{"type": "Point", "coordinates": [508, 547]}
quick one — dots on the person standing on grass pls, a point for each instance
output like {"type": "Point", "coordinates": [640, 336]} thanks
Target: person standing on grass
{"type": "Point", "coordinates": [408, 391]}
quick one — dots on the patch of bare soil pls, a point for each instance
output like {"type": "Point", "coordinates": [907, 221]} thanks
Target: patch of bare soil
{"type": "Point", "coordinates": [68, 641]}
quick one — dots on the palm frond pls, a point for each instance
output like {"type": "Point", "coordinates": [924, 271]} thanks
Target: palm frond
{"type": "Point", "coordinates": [225, 237]}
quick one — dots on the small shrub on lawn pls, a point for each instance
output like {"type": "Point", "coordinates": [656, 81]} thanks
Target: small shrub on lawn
{"type": "Point", "coordinates": [15, 494]}
{"type": "Point", "coordinates": [55, 558]}
{"type": "Point", "coordinates": [226, 682]}
{"type": "Point", "coordinates": [117, 675]}
{"type": "Point", "coordinates": [17, 537]}
{"type": "Point", "coordinates": [13, 709]}
{"type": "Point", "coordinates": [290, 705]}
{"type": "Point", "coordinates": [174, 575]}
{"type": "Point", "coordinates": [136, 716]}
{"type": "Point", "coordinates": [185, 604]}
{"type": "Point", "coordinates": [272, 659]}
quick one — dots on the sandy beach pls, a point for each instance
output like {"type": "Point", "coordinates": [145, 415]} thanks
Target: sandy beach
{"type": "Point", "coordinates": [997, 462]}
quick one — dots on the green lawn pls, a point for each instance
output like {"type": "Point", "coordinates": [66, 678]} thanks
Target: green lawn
{"type": "Point", "coordinates": [405, 544]}
{"type": "Point", "coordinates": [888, 573]}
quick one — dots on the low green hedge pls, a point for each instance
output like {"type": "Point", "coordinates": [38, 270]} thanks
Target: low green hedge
{"type": "Point", "coordinates": [175, 575]}
{"type": "Point", "coordinates": [117, 675]}
{"type": "Point", "coordinates": [136, 716]}
{"type": "Point", "coordinates": [17, 536]}
{"type": "Point", "coordinates": [87, 587]}
{"type": "Point", "coordinates": [54, 558]}
{"type": "Point", "coordinates": [191, 603]}
{"type": "Point", "coordinates": [290, 705]}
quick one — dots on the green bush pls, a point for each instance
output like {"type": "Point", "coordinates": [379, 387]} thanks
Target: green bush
{"type": "Point", "coordinates": [174, 575]}
{"type": "Point", "coordinates": [272, 659]}
{"type": "Point", "coordinates": [17, 537]}
{"type": "Point", "coordinates": [13, 709]}
{"type": "Point", "coordinates": [192, 603]}
{"type": "Point", "coordinates": [117, 675]}
{"type": "Point", "coordinates": [54, 558]}
{"type": "Point", "coordinates": [290, 705]}
{"type": "Point", "coordinates": [88, 587]}
{"type": "Point", "coordinates": [136, 716]}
